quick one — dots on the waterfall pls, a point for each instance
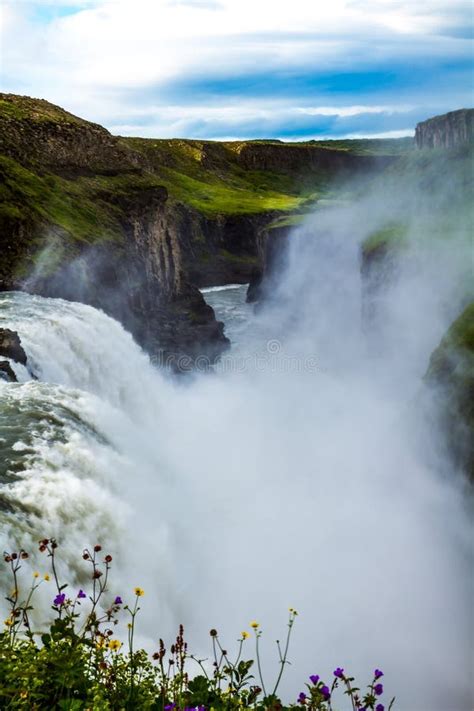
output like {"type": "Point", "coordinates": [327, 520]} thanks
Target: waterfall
{"type": "Point", "coordinates": [307, 474]}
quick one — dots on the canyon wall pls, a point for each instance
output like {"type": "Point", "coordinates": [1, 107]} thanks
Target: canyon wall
{"type": "Point", "coordinates": [455, 128]}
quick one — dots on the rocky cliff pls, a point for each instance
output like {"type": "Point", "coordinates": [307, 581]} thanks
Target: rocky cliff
{"type": "Point", "coordinates": [135, 226]}
{"type": "Point", "coordinates": [451, 373]}
{"type": "Point", "coordinates": [446, 131]}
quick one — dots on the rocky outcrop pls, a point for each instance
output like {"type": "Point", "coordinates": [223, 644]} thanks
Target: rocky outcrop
{"type": "Point", "coordinates": [10, 346]}
{"type": "Point", "coordinates": [304, 159]}
{"type": "Point", "coordinates": [35, 131]}
{"type": "Point", "coordinates": [451, 374]}
{"type": "Point", "coordinates": [6, 372]}
{"type": "Point", "coordinates": [272, 246]}
{"type": "Point", "coordinates": [446, 131]}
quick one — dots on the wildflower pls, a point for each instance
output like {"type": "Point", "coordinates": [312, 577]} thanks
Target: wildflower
{"type": "Point", "coordinates": [169, 707]}
{"type": "Point", "coordinates": [314, 678]}
{"type": "Point", "coordinates": [81, 594]}
{"type": "Point", "coordinates": [118, 600]}
{"type": "Point", "coordinates": [378, 674]}
{"type": "Point", "coordinates": [108, 558]}
{"type": "Point", "coordinates": [255, 625]}
{"type": "Point", "coordinates": [23, 694]}
{"type": "Point", "coordinates": [245, 635]}
{"type": "Point", "coordinates": [100, 643]}
{"type": "Point", "coordinates": [380, 707]}
{"type": "Point", "coordinates": [8, 622]}
{"type": "Point", "coordinates": [97, 548]}
{"type": "Point", "coordinates": [378, 689]}
{"type": "Point", "coordinates": [114, 645]}
{"type": "Point", "coordinates": [96, 574]}
{"type": "Point", "coordinates": [47, 577]}
{"type": "Point", "coordinates": [339, 673]}
{"type": "Point", "coordinates": [325, 692]}
{"type": "Point", "coordinates": [36, 574]}
{"type": "Point", "coordinates": [139, 592]}
{"type": "Point", "coordinates": [24, 554]}
{"type": "Point", "coordinates": [59, 599]}
{"type": "Point", "coordinates": [302, 698]}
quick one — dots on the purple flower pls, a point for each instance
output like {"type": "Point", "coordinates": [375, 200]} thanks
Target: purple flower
{"type": "Point", "coordinates": [302, 698]}
{"type": "Point", "coordinates": [81, 594]}
{"type": "Point", "coordinates": [59, 599]}
{"type": "Point", "coordinates": [339, 673]}
{"type": "Point", "coordinates": [380, 707]}
{"type": "Point", "coordinates": [378, 689]}
{"type": "Point", "coordinates": [378, 674]}
{"type": "Point", "coordinates": [314, 678]}
{"type": "Point", "coordinates": [118, 600]}
{"type": "Point", "coordinates": [169, 707]}
{"type": "Point", "coordinates": [325, 692]}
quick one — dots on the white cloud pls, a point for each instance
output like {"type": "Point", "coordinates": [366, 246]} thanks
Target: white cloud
{"type": "Point", "coordinates": [89, 59]}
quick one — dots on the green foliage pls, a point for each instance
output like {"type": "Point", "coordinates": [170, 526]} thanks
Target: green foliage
{"type": "Point", "coordinates": [207, 176]}
{"type": "Point", "coordinates": [48, 198]}
{"type": "Point", "coordinates": [75, 662]}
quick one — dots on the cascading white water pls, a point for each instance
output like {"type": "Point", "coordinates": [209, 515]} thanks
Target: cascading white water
{"type": "Point", "coordinates": [303, 472]}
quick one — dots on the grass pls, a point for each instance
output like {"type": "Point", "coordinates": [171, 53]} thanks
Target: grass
{"type": "Point", "coordinates": [206, 175]}
{"type": "Point", "coordinates": [68, 204]}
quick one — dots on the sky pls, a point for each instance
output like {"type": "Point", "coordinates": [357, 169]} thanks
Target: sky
{"type": "Point", "coordinates": [235, 69]}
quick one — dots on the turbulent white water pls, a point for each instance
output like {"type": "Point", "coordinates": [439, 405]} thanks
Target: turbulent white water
{"type": "Point", "coordinates": [305, 471]}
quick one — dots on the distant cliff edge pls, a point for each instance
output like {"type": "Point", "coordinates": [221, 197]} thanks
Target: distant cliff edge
{"type": "Point", "coordinates": [446, 131]}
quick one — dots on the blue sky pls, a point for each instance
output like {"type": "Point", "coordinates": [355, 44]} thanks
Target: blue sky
{"type": "Point", "coordinates": [293, 70]}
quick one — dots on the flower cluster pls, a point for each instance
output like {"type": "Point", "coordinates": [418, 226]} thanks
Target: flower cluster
{"type": "Point", "coordinates": [319, 693]}
{"type": "Point", "coordinates": [81, 661]}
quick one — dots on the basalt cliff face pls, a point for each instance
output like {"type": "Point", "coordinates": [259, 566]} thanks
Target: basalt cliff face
{"type": "Point", "coordinates": [136, 226]}
{"type": "Point", "coordinates": [451, 374]}
{"type": "Point", "coordinates": [455, 128]}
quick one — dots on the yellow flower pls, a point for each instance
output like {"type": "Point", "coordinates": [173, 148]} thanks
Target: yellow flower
{"type": "Point", "coordinates": [8, 622]}
{"type": "Point", "coordinates": [47, 577]}
{"type": "Point", "coordinates": [254, 625]}
{"type": "Point", "coordinates": [23, 695]}
{"type": "Point", "coordinates": [36, 574]}
{"type": "Point", "coordinates": [139, 592]}
{"type": "Point", "coordinates": [245, 635]}
{"type": "Point", "coordinates": [114, 645]}
{"type": "Point", "coordinates": [100, 644]}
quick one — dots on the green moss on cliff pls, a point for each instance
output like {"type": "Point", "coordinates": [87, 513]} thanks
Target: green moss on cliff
{"type": "Point", "coordinates": [391, 237]}
{"type": "Point", "coordinates": [50, 199]}
{"type": "Point", "coordinates": [451, 370]}
{"type": "Point", "coordinates": [206, 176]}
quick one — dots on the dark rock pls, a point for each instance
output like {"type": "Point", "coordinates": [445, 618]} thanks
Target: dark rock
{"type": "Point", "coordinates": [6, 372]}
{"type": "Point", "coordinates": [10, 346]}
{"type": "Point", "coordinates": [451, 373]}
{"type": "Point", "coordinates": [446, 131]}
